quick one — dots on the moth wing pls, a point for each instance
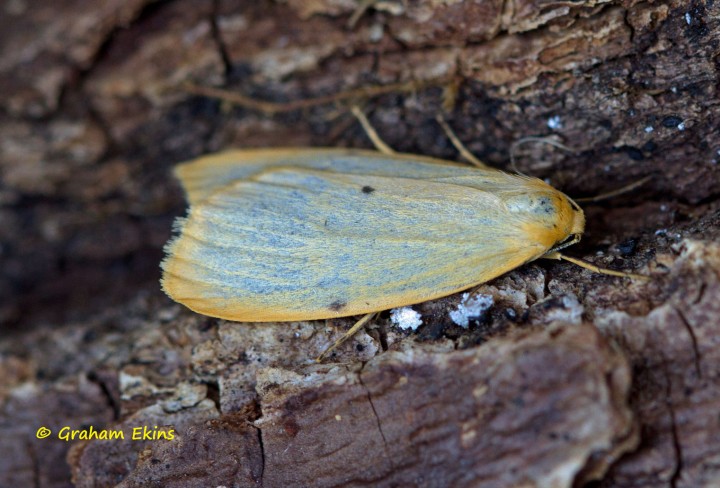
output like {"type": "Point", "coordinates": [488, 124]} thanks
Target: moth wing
{"type": "Point", "coordinates": [203, 176]}
{"type": "Point", "coordinates": [300, 244]}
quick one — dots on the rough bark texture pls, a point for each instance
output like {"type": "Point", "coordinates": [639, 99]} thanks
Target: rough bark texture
{"type": "Point", "coordinates": [571, 378]}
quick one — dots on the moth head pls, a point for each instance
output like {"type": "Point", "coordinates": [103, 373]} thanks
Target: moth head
{"type": "Point", "coordinates": [575, 225]}
{"type": "Point", "coordinates": [549, 216]}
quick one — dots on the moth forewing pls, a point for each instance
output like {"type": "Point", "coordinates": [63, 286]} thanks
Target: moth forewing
{"type": "Point", "coordinates": [300, 234]}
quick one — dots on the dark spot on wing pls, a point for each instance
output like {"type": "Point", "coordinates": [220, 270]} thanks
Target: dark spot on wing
{"type": "Point", "coordinates": [368, 189]}
{"type": "Point", "coordinates": [337, 305]}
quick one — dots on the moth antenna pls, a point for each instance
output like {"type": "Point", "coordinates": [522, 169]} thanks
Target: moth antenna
{"type": "Point", "coordinates": [525, 140]}
{"type": "Point", "coordinates": [614, 193]}
{"type": "Point", "coordinates": [464, 152]}
{"type": "Point", "coordinates": [347, 335]}
{"type": "Point", "coordinates": [272, 108]}
{"type": "Point", "coordinates": [370, 131]}
{"type": "Point", "coordinates": [592, 267]}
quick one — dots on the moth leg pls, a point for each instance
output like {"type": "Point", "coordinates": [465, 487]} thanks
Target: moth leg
{"type": "Point", "coordinates": [464, 152]}
{"type": "Point", "coordinates": [347, 335]}
{"type": "Point", "coordinates": [614, 193]}
{"type": "Point", "coordinates": [370, 131]}
{"type": "Point", "coordinates": [592, 267]}
{"type": "Point", "coordinates": [450, 94]}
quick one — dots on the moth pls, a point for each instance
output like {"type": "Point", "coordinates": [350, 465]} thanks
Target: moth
{"type": "Point", "coordinates": [300, 234]}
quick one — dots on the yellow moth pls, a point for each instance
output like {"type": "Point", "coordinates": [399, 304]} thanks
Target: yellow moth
{"type": "Point", "coordinates": [299, 234]}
